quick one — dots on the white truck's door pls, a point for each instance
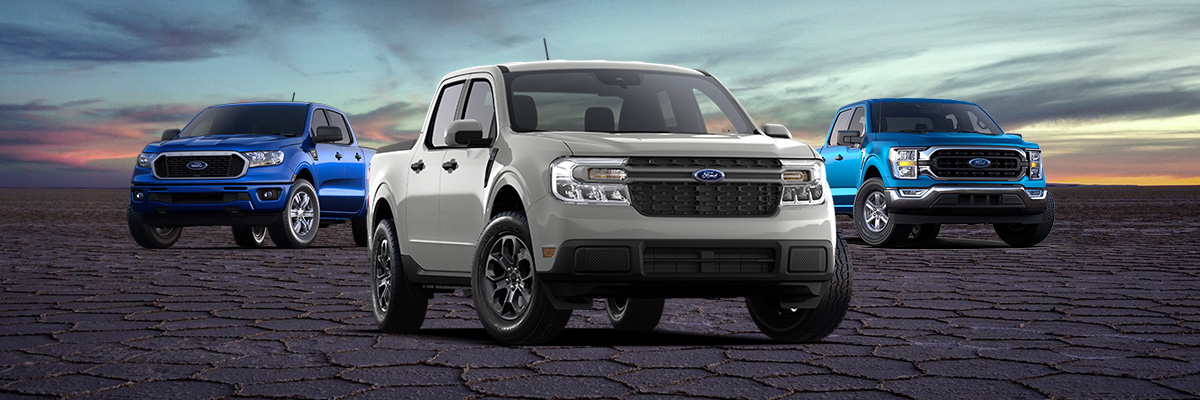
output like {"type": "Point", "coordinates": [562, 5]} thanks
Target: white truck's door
{"type": "Point", "coordinates": [464, 171]}
{"type": "Point", "coordinates": [424, 206]}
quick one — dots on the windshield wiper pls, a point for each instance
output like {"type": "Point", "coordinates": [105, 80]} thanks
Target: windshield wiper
{"type": "Point", "coordinates": [913, 131]}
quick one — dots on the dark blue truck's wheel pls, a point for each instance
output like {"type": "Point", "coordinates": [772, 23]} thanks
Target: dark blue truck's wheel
{"type": "Point", "coordinates": [151, 237]}
{"type": "Point", "coordinates": [297, 225]}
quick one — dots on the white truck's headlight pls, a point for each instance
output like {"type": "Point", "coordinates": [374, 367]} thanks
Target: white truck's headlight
{"type": "Point", "coordinates": [589, 180]}
{"type": "Point", "coordinates": [145, 159]}
{"type": "Point", "coordinates": [904, 163]}
{"type": "Point", "coordinates": [264, 158]}
{"type": "Point", "coordinates": [1035, 164]}
{"type": "Point", "coordinates": [802, 182]}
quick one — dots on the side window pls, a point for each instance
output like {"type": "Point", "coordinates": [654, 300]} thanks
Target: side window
{"type": "Point", "coordinates": [339, 121]}
{"type": "Point", "coordinates": [318, 120]}
{"type": "Point", "coordinates": [443, 114]}
{"type": "Point", "coordinates": [841, 123]}
{"type": "Point", "coordinates": [858, 120]}
{"type": "Point", "coordinates": [481, 107]}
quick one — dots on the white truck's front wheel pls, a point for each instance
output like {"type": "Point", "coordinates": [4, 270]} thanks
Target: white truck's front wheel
{"type": "Point", "coordinates": [508, 297]}
{"type": "Point", "coordinates": [793, 325]}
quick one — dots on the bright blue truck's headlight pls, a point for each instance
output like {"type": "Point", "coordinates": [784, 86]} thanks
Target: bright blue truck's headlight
{"type": "Point", "coordinates": [904, 163]}
{"type": "Point", "coordinates": [1035, 164]}
{"type": "Point", "coordinates": [264, 158]}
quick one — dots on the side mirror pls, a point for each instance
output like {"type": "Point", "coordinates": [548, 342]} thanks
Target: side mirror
{"type": "Point", "coordinates": [170, 134]}
{"type": "Point", "coordinates": [327, 134]}
{"type": "Point", "coordinates": [849, 138]}
{"type": "Point", "coordinates": [464, 132]}
{"type": "Point", "coordinates": [777, 131]}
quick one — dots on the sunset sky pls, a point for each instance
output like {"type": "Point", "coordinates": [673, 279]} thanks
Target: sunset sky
{"type": "Point", "coordinates": [1110, 90]}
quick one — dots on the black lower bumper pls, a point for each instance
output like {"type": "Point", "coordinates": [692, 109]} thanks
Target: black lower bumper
{"type": "Point", "coordinates": [966, 205]}
{"type": "Point", "coordinates": [588, 269]}
{"type": "Point", "coordinates": [210, 219]}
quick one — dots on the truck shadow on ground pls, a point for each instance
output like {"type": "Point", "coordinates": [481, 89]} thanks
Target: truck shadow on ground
{"type": "Point", "coordinates": [606, 337]}
{"type": "Point", "coordinates": [939, 244]}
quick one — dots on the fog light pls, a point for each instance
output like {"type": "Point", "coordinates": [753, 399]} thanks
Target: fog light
{"type": "Point", "coordinates": [269, 194]}
{"type": "Point", "coordinates": [912, 192]}
{"type": "Point", "coordinates": [138, 196]}
{"type": "Point", "coordinates": [1036, 193]}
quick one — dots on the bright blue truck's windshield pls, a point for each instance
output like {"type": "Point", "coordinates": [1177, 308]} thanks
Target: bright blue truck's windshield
{"type": "Point", "coordinates": [932, 117]}
{"type": "Point", "coordinates": [287, 120]}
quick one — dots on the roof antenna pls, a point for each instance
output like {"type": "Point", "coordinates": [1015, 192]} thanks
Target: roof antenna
{"type": "Point", "coordinates": [547, 48]}
{"type": "Point", "coordinates": [293, 96]}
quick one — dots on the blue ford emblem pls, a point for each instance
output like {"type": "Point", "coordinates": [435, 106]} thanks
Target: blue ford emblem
{"type": "Point", "coordinates": [980, 162]}
{"type": "Point", "coordinates": [197, 165]}
{"type": "Point", "coordinates": [709, 175]}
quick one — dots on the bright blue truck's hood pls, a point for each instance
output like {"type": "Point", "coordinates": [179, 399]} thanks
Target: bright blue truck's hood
{"type": "Point", "coordinates": [224, 142]}
{"type": "Point", "coordinates": [951, 139]}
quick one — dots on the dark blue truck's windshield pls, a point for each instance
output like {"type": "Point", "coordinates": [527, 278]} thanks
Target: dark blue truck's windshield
{"type": "Point", "coordinates": [287, 120]}
{"type": "Point", "coordinates": [618, 101]}
{"type": "Point", "coordinates": [932, 117]}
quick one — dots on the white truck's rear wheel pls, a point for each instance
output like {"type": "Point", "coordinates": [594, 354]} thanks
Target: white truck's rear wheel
{"type": "Point", "coordinates": [398, 305]}
{"type": "Point", "coordinates": [633, 315]}
{"type": "Point", "coordinates": [792, 325]}
{"type": "Point", "coordinates": [510, 301]}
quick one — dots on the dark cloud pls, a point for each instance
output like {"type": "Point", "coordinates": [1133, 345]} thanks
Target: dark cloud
{"type": "Point", "coordinates": [126, 37]}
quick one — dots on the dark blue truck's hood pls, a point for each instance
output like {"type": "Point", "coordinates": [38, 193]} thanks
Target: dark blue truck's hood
{"type": "Point", "coordinates": [951, 139]}
{"type": "Point", "coordinates": [224, 142]}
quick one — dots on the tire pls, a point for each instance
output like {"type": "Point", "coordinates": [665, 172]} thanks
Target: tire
{"type": "Point", "coordinates": [150, 237]}
{"type": "Point", "coordinates": [926, 231]}
{"type": "Point", "coordinates": [634, 315]}
{"type": "Point", "coordinates": [359, 228]}
{"type": "Point", "coordinates": [510, 301]}
{"type": "Point", "coordinates": [1028, 235]}
{"type": "Point", "coordinates": [871, 218]}
{"type": "Point", "coordinates": [299, 232]}
{"type": "Point", "coordinates": [803, 326]}
{"type": "Point", "coordinates": [249, 236]}
{"type": "Point", "coordinates": [398, 305]}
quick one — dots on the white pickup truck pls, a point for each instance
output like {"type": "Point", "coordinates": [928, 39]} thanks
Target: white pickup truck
{"type": "Point", "coordinates": [543, 186]}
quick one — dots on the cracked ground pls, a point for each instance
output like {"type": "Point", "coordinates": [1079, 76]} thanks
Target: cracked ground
{"type": "Point", "coordinates": [1107, 307]}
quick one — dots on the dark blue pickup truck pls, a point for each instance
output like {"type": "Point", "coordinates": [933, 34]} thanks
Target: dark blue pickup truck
{"type": "Point", "coordinates": [904, 167]}
{"type": "Point", "coordinates": [286, 168]}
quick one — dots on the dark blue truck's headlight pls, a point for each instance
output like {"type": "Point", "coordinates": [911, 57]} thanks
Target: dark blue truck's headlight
{"type": "Point", "coordinates": [264, 158]}
{"type": "Point", "coordinates": [145, 159]}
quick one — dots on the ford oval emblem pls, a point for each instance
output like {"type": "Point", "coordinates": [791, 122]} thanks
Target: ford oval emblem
{"type": "Point", "coordinates": [980, 162]}
{"type": "Point", "coordinates": [709, 175]}
{"type": "Point", "coordinates": [197, 165]}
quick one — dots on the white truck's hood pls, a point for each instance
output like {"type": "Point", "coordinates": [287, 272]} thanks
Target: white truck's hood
{"type": "Point", "coordinates": [679, 144]}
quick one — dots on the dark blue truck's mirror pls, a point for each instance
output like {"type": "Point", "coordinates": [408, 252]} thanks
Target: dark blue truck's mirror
{"type": "Point", "coordinates": [170, 134]}
{"type": "Point", "coordinates": [328, 134]}
{"type": "Point", "coordinates": [849, 138]}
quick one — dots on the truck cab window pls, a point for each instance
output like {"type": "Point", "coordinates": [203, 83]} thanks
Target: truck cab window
{"type": "Point", "coordinates": [858, 121]}
{"type": "Point", "coordinates": [443, 115]}
{"type": "Point", "coordinates": [481, 107]}
{"type": "Point", "coordinates": [840, 124]}
{"type": "Point", "coordinates": [318, 120]}
{"type": "Point", "coordinates": [339, 121]}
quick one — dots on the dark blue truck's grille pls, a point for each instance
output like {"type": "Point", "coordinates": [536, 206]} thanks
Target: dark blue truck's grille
{"type": "Point", "coordinates": [217, 166]}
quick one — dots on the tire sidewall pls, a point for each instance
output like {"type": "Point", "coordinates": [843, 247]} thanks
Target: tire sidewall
{"type": "Point", "coordinates": [283, 228]}
{"type": "Point", "coordinates": [147, 236]}
{"type": "Point", "coordinates": [885, 235]}
{"type": "Point", "coordinates": [384, 231]}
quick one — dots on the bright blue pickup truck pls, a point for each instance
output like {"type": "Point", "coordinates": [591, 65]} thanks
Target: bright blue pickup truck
{"type": "Point", "coordinates": [285, 167]}
{"type": "Point", "coordinates": [904, 167]}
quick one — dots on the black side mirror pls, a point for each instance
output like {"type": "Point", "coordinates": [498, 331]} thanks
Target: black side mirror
{"type": "Point", "coordinates": [328, 134]}
{"type": "Point", "coordinates": [777, 131]}
{"type": "Point", "coordinates": [465, 132]}
{"type": "Point", "coordinates": [170, 134]}
{"type": "Point", "coordinates": [849, 138]}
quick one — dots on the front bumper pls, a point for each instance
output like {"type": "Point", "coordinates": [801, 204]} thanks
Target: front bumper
{"type": "Point", "coordinates": [955, 204]}
{"type": "Point", "coordinates": [209, 205]}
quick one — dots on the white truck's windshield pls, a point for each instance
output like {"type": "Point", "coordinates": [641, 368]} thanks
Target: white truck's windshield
{"type": "Point", "coordinates": [619, 101]}
{"type": "Point", "coordinates": [287, 120]}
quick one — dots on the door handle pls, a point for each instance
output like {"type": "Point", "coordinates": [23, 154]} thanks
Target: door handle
{"type": "Point", "coordinates": [418, 166]}
{"type": "Point", "coordinates": [839, 157]}
{"type": "Point", "coordinates": [450, 165]}
{"type": "Point", "coordinates": [358, 156]}
{"type": "Point", "coordinates": [338, 155]}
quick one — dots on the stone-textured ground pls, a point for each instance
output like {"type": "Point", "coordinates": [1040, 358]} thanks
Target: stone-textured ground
{"type": "Point", "coordinates": [1108, 307]}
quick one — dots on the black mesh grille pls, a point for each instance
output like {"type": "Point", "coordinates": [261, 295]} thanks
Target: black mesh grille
{"type": "Point", "coordinates": [955, 163]}
{"type": "Point", "coordinates": [675, 260]}
{"type": "Point", "coordinates": [688, 198]}
{"type": "Point", "coordinates": [692, 162]}
{"type": "Point", "coordinates": [167, 166]}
